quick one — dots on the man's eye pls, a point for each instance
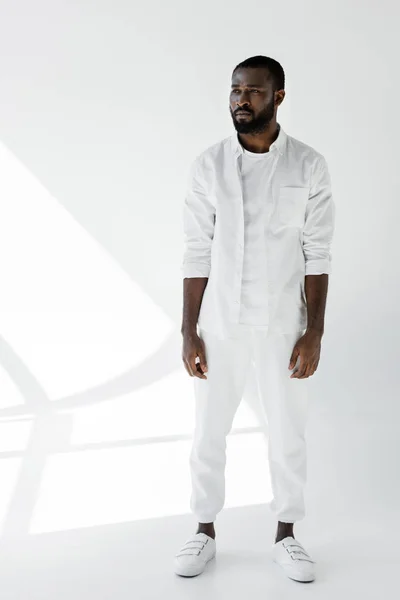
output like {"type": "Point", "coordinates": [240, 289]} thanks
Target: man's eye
{"type": "Point", "coordinates": [234, 91]}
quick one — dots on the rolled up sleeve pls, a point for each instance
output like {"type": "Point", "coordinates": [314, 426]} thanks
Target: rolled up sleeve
{"type": "Point", "coordinates": [198, 225]}
{"type": "Point", "coordinates": [319, 222]}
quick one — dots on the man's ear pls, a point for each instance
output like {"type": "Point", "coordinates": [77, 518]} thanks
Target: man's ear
{"type": "Point", "coordinates": [279, 97]}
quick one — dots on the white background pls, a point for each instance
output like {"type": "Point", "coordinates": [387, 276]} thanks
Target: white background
{"type": "Point", "coordinates": [103, 106]}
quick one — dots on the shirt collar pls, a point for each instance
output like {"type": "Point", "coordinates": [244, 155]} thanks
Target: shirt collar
{"type": "Point", "coordinates": [278, 145]}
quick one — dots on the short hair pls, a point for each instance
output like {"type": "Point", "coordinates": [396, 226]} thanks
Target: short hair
{"type": "Point", "coordinates": [273, 68]}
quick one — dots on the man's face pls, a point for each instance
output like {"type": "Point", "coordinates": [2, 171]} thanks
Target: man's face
{"type": "Point", "coordinates": [251, 92]}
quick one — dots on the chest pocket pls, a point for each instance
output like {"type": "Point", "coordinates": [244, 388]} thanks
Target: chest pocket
{"type": "Point", "coordinates": [291, 206]}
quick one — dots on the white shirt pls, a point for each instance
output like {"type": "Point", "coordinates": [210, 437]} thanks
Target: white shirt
{"type": "Point", "coordinates": [298, 221]}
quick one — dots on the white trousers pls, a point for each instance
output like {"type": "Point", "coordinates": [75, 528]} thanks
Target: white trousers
{"type": "Point", "coordinates": [284, 403]}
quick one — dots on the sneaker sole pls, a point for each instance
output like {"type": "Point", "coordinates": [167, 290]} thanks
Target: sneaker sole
{"type": "Point", "coordinates": [192, 571]}
{"type": "Point", "coordinates": [300, 578]}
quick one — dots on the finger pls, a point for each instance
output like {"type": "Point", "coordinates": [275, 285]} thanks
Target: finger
{"type": "Point", "coordinates": [293, 357]}
{"type": "Point", "coordinates": [306, 372]}
{"type": "Point", "coordinates": [312, 369]}
{"type": "Point", "coordinates": [193, 365]}
{"type": "Point", "coordinates": [315, 367]}
{"type": "Point", "coordinates": [188, 367]}
{"type": "Point", "coordinates": [203, 362]}
{"type": "Point", "coordinates": [199, 373]}
{"type": "Point", "coordinates": [196, 368]}
{"type": "Point", "coordinates": [301, 370]}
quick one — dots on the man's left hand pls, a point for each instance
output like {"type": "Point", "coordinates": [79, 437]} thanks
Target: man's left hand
{"type": "Point", "coordinates": [308, 347]}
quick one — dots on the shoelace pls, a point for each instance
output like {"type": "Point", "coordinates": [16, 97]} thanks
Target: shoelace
{"type": "Point", "coordinates": [184, 550]}
{"type": "Point", "coordinates": [300, 550]}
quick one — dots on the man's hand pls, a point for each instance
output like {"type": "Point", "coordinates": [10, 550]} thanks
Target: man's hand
{"type": "Point", "coordinates": [308, 347]}
{"type": "Point", "coordinates": [193, 347]}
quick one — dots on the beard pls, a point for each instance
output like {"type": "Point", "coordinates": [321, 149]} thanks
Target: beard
{"type": "Point", "coordinates": [255, 124]}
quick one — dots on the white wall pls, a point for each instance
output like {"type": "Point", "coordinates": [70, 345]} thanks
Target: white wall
{"type": "Point", "coordinates": [107, 103]}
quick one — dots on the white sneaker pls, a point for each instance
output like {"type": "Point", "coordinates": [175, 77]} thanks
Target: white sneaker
{"type": "Point", "coordinates": [295, 561]}
{"type": "Point", "coordinates": [192, 558]}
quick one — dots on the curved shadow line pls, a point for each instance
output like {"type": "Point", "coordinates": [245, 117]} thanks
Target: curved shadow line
{"type": "Point", "coordinates": [161, 363]}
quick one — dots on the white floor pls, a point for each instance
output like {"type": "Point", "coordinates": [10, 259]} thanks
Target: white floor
{"type": "Point", "coordinates": [351, 530]}
{"type": "Point", "coordinates": [355, 557]}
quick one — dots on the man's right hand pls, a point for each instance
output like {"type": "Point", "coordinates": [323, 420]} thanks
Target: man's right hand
{"type": "Point", "coordinates": [193, 347]}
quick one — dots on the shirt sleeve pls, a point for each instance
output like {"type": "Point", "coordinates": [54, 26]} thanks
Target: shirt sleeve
{"type": "Point", "coordinates": [198, 225]}
{"type": "Point", "coordinates": [319, 222]}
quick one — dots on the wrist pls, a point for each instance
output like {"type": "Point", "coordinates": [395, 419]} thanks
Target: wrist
{"type": "Point", "coordinates": [189, 330]}
{"type": "Point", "coordinates": [315, 331]}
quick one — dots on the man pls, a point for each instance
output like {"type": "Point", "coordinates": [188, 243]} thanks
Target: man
{"type": "Point", "coordinates": [258, 225]}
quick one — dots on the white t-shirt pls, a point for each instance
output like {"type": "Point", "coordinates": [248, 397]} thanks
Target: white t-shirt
{"type": "Point", "coordinates": [255, 171]}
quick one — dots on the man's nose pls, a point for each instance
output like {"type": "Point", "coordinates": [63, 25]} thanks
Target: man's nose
{"type": "Point", "coordinates": [243, 97]}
